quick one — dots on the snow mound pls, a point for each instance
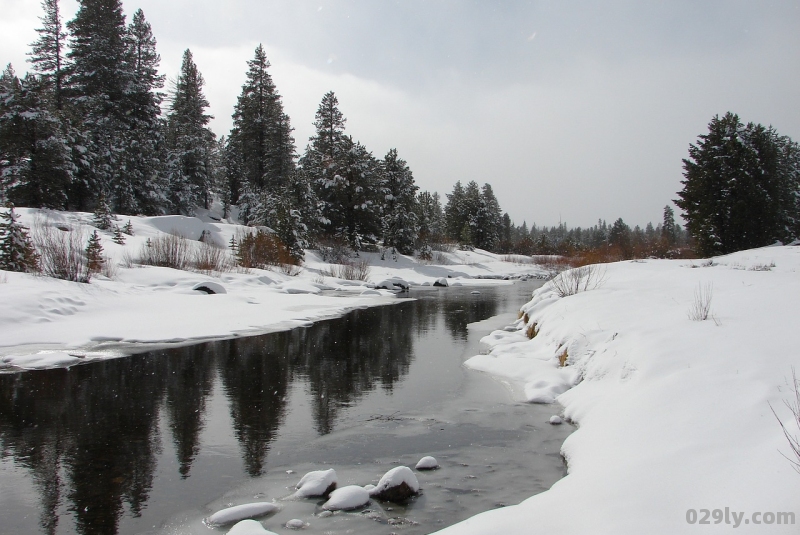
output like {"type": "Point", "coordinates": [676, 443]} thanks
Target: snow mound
{"type": "Point", "coordinates": [299, 287]}
{"type": "Point", "coordinates": [475, 292]}
{"type": "Point", "coordinates": [427, 463]}
{"type": "Point", "coordinates": [210, 288]}
{"type": "Point", "coordinates": [316, 483]}
{"type": "Point", "coordinates": [396, 485]}
{"type": "Point", "coordinates": [441, 282]}
{"type": "Point", "coordinates": [249, 527]}
{"type": "Point", "coordinates": [346, 498]}
{"type": "Point", "coordinates": [555, 420]}
{"type": "Point", "coordinates": [370, 292]}
{"type": "Point", "coordinates": [241, 512]}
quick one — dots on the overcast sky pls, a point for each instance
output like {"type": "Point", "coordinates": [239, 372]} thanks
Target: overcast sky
{"type": "Point", "coordinates": [573, 111]}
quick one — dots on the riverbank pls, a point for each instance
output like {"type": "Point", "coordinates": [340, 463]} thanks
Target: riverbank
{"type": "Point", "coordinates": [674, 412]}
{"type": "Point", "coordinates": [46, 322]}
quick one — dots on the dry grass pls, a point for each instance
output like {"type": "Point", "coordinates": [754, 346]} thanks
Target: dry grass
{"type": "Point", "coordinates": [532, 331]}
{"type": "Point", "coordinates": [169, 250]}
{"type": "Point", "coordinates": [580, 279]}
{"type": "Point", "coordinates": [62, 252]}
{"type": "Point", "coordinates": [563, 358]}
{"type": "Point", "coordinates": [352, 271]}
{"type": "Point", "coordinates": [701, 305]}
{"type": "Point", "coordinates": [794, 408]}
{"type": "Point", "coordinates": [210, 258]}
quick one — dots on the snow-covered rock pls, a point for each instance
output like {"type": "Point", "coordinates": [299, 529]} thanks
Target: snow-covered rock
{"type": "Point", "coordinates": [210, 287]}
{"type": "Point", "coordinates": [241, 512]}
{"type": "Point", "coordinates": [316, 483]}
{"type": "Point", "coordinates": [249, 527]}
{"type": "Point", "coordinates": [296, 523]}
{"type": "Point", "coordinates": [427, 463]}
{"type": "Point", "coordinates": [441, 282]}
{"type": "Point", "coordinates": [396, 485]}
{"type": "Point", "coordinates": [475, 292]}
{"type": "Point", "coordinates": [346, 498]}
{"type": "Point", "coordinates": [556, 420]}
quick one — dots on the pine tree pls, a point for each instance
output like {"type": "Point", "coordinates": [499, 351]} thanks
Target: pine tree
{"type": "Point", "coordinates": [668, 228]}
{"type": "Point", "coordinates": [99, 76]}
{"type": "Point", "coordinates": [189, 140]}
{"type": "Point", "coordinates": [739, 189]}
{"type": "Point", "coordinates": [35, 159]}
{"type": "Point", "coordinates": [128, 228]}
{"type": "Point", "coordinates": [119, 237]}
{"type": "Point", "coordinates": [47, 54]}
{"type": "Point", "coordinates": [94, 254]}
{"type": "Point", "coordinates": [261, 131]}
{"type": "Point", "coordinates": [16, 250]}
{"type": "Point", "coordinates": [400, 223]}
{"type": "Point", "coordinates": [455, 213]}
{"type": "Point", "coordinates": [103, 218]}
{"type": "Point", "coordinates": [142, 188]}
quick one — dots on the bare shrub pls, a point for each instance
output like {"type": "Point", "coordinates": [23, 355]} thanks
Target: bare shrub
{"type": "Point", "coordinates": [794, 408]}
{"type": "Point", "coordinates": [440, 259]}
{"type": "Point", "coordinates": [169, 250]}
{"type": "Point", "coordinates": [127, 261]}
{"type": "Point", "coordinates": [518, 259]}
{"type": "Point", "coordinates": [351, 271]}
{"type": "Point", "coordinates": [580, 279]}
{"type": "Point", "coordinates": [762, 267]}
{"type": "Point", "coordinates": [335, 251]}
{"type": "Point", "coordinates": [291, 269]}
{"type": "Point", "coordinates": [444, 247]}
{"type": "Point", "coordinates": [701, 305]}
{"type": "Point", "coordinates": [209, 258]}
{"type": "Point", "coordinates": [261, 250]}
{"type": "Point", "coordinates": [62, 252]}
{"type": "Point", "coordinates": [108, 268]}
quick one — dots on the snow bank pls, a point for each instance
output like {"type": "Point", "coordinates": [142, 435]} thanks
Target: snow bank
{"type": "Point", "coordinates": [673, 415]}
{"type": "Point", "coordinates": [43, 320]}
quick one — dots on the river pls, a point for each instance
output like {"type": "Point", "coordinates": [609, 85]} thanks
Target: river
{"type": "Point", "coordinates": [155, 442]}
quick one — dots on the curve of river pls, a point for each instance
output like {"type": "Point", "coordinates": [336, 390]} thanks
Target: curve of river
{"type": "Point", "coordinates": [155, 442]}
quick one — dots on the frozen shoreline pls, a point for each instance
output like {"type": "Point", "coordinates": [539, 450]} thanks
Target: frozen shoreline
{"type": "Point", "coordinates": [46, 322]}
{"type": "Point", "coordinates": [673, 415]}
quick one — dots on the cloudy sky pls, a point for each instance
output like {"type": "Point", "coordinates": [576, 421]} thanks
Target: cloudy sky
{"type": "Point", "coordinates": [573, 111]}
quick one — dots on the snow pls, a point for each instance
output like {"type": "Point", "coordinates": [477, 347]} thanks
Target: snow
{"type": "Point", "coordinates": [249, 527]}
{"type": "Point", "coordinates": [395, 477]}
{"type": "Point", "coordinates": [672, 414]}
{"type": "Point", "coordinates": [427, 463]}
{"type": "Point", "coordinates": [241, 512]}
{"type": "Point", "coordinates": [556, 420]}
{"type": "Point", "coordinates": [296, 523]}
{"type": "Point", "coordinates": [46, 322]}
{"type": "Point", "coordinates": [316, 483]}
{"type": "Point", "coordinates": [346, 498]}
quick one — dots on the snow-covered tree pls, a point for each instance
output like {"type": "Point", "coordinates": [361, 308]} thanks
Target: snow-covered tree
{"type": "Point", "coordinates": [189, 140]}
{"type": "Point", "coordinates": [35, 161]}
{"type": "Point", "coordinates": [399, 219]}
{"type": "Point", "coordinates": [261, 133]}
{"type": "Point", "coordinates": [47, 52]}
{"type": "Point", "coordinates": [16, 250]}
{"type": "Point", "coordinates": [94, 254]}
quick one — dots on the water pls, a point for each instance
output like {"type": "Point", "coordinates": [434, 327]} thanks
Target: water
{"type": "Point", "coordinates": [155, 442]}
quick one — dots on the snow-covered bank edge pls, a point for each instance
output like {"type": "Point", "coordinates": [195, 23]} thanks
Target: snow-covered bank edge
{"type": "Point", "coordinates": [674, 415]}
{"type": "Point", "coordinates": [47, 322]}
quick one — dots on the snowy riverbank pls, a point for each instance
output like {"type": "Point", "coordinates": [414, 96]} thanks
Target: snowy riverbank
{"type": "Point", "coordinates": [47, 322]}
{"type": "Point", "coordinates": [673, 415]}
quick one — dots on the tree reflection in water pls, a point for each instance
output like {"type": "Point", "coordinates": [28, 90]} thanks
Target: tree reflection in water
{"type": "Point", "coordinates": [90, 438]}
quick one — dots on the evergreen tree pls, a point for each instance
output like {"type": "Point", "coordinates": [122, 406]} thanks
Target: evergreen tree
{"type": "Point", "coordinates": [189, 140]}
{"type": "Point", "coordinates": [486, 221]}
{"type": "Point", "coordinates": [99, 76]}
{"type": "Point", "coordinates": [16, 250]}
{"type": "Point", "coordinates": [47, 54]}
{"type": "Point", "coordinates": [668, 228]}
{"type": "Point", "coordinates": [456, 213]}
{"type": "Point", "coordinates": [103, 218]}
{"type": "Point", "coordinates": [119, 237]}
{"type": "Point", "coordinates": [261, 131]}
{"type": "Point", "coordinates": [128, 228]}
{"type": "Point", "coordinates": [36, 167]}
{"type": "Point", "coordinates": [431, 219]}
{"type": "Point", "coordinates": [142, 188]}
{"type": "Point", "coordinates": [94, 254]}
{"type": "Point", "coordinates": [620, 236]}
{"type": "Point", "coordinates": [739, 190]}
{"type": "Point", "coordinates": [400, 223]}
